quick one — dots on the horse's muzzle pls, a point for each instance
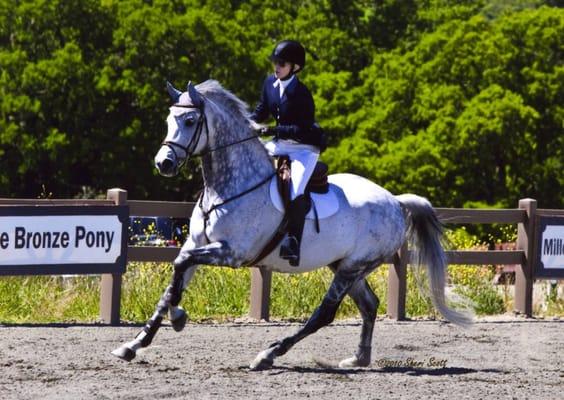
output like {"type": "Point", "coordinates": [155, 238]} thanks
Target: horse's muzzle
{"type": "Point", "coordinates": [166, 167]}
{"type": "Point", "coordinates": [165, 162]}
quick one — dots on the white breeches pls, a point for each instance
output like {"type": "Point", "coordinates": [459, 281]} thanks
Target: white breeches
{"type": "Point", "coordinates": [303, 158]}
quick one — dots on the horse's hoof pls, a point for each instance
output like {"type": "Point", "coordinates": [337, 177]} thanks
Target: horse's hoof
{"type": "Point", "coordinates": [261, 365]}
{"type": "Point", "coordinates": [353, 362]}
{"type": "Point", "coordinates": [263, 361]}
{"type": "Point", "coordinates": [179, 322]}
{"type": "Point", "coordinates": [124, 352]}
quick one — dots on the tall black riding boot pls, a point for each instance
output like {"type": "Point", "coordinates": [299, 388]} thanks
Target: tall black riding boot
{"type": "Point", "coordinates": [290, 247]}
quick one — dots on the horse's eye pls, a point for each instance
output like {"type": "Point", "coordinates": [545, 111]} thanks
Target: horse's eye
{"type": "Point", "coordinates": [189, 121]}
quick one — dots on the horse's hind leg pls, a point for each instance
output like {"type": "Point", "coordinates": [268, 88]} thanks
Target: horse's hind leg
{"type": "Point", "coordinates": [367, 302]}
{"type": "Point", "coordinates": [322, 316]}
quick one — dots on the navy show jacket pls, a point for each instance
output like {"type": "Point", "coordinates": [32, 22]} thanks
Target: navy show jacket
{"type": "Point", "coordinates": [294, 112]}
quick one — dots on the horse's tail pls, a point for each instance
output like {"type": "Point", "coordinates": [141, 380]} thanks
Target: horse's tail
{"type": "Point", "coordinates": [424, 234]}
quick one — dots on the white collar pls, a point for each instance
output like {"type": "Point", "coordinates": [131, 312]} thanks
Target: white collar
{"type": "Point", "coordinates": [283, 83]}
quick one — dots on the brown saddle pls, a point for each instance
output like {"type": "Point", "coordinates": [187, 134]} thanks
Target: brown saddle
{"type": "Point", "coordinates": [317, 183]}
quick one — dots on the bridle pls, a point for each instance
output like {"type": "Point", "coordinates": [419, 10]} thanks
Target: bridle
{"type": "Point", "coordinates": [193, 143]}
{"type": "Point", "coordinates": [191, 146]}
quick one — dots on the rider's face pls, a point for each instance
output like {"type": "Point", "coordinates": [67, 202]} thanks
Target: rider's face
{"type": "Point", "coordinates": [282, 69]}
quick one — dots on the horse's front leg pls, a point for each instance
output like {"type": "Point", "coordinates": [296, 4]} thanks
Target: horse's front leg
{"type": "Point", "coordinates": [217, 253]}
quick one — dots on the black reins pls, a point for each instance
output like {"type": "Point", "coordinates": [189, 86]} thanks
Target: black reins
{"type": "Point", "coordinates": [228, 145]}
{"type": "Point", "coordinates": [221, 204]}
{"type": "Point", "coordinates": [189, 149]}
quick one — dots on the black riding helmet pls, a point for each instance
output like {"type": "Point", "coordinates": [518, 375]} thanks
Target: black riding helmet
{"type": "Point", "coordinates": [289, 51]}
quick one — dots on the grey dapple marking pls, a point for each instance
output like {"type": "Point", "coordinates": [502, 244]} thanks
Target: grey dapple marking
{"type": "Point", "coordinates": [371, 224]}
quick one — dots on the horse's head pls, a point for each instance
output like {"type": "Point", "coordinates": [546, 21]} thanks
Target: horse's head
{"type": "Point", "coordinates": [187, 125]}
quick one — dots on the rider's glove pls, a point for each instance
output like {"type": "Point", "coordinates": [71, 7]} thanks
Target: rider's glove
{"type": "Point", "coordinates": [268, 131]}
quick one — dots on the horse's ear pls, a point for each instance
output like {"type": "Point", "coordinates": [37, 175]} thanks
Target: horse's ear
{"type": "Point", "coordinates": [195, 96]}
{"type": "Point", "coordinates": [173, 92]}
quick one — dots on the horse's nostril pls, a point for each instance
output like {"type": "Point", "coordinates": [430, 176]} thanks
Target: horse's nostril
{"type": "Point", "coordinates": [166, 165]}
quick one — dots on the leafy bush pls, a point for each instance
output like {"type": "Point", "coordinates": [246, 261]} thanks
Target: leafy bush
{"type": "Point", "coordinates": [472, 281]}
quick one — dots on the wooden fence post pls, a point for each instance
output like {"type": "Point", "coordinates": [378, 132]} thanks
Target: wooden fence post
{"type": "Point", "coordinates": [110, 288]}
{"type": "Point", "coordinates": [260, 294]}
{"type": "Point", "coordinates": [397, 284]}
{"type": "Point", "coordinates": [524, 272]}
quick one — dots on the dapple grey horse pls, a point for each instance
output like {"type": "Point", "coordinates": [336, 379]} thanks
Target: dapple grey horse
{"type": "Point", "coordinates": [235, 219]}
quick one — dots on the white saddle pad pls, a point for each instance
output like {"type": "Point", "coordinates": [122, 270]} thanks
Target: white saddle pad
{"type": "Point", "coordinates": [326, 204]}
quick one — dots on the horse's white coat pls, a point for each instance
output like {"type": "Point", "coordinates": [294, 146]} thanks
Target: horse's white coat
{"type": "Point", "coordinates": [370, 226]}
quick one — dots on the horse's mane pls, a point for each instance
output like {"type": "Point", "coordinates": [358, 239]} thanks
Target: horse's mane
{"type": "Point", "coordinates": [237, 107]}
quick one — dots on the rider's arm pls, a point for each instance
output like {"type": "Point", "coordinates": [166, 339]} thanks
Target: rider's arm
{"type": "Point", "coordinates": [261, 112]}
{"type": "Point", "coordinates": [303, 119]}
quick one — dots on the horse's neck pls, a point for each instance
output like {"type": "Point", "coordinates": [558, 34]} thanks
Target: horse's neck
{"type": "Point", "coordinates": [232, 170]}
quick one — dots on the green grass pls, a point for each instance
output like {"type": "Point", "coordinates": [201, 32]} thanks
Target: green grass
{"type": "Point", "coordinates": [48, 299]}
{"type": "Point", "coordinates": [222, 293]}
{"type": "Point", "coordinates": [214, 293]}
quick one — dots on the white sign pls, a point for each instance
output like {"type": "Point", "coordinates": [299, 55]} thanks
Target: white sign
{"type": "Point", "coordinates": [60, 239]}
{"type": "Point", "coordinates": [552, 247]}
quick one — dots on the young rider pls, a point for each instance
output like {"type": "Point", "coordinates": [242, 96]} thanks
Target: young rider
{"type": "Point", "coordinates": [290, 102]}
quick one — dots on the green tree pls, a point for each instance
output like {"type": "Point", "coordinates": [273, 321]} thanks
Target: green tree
{"type": "Point", "coordinates": [461, 101]}
{"type": "Point", "coordinates": [48, 59]}
{"type": "Point", "coordinates": [473, 113]}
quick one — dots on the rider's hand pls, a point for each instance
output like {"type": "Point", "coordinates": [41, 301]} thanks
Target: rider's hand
{"type": "Point", "coordinates": [268, 131]}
